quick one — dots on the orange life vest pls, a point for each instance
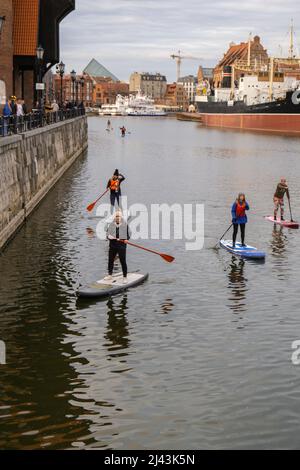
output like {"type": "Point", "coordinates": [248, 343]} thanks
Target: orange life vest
{"type": "Point", "coordinates": [240, 210]}
{"type": "Point", "coordinates": [114, 185]}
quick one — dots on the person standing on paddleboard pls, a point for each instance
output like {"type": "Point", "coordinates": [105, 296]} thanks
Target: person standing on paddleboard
{"type": "Point", "coordinates": [239, 217]}
{"type": "Point", "coordinates": [114, 184]}
{"type": "Point", "coordinates": [117, 233]}
{"type": "Point", "coordinates": [281, 190]}
{"type": "Point", "coordinates": [123, 131]}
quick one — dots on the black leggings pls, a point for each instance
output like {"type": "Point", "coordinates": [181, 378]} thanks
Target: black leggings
{"type": "Point", "coordinates": [115, 197]}
{"type": "Point", "coordinates": [235, 232]}
{"type": "Point", "coordinates": [117, 248]}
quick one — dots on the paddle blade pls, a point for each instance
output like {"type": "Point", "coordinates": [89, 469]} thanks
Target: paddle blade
{"type": "Point", "coordinates": [168, 258]}
{"type": "Point", "coordinates": [91, 207]}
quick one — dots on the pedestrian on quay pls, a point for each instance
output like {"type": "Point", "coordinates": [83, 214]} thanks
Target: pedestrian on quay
{"type": "Point", "coordinates": [13, 105]}
{"type": "Point", "coordinates": [6, 113]}
{"type": "Point", "coordinates": [114, 184]}
{"type": "Point", "coordinates": [239, 217]}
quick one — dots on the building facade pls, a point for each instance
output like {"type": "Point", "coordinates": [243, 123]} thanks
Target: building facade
{"type": "Point", "coordinates": [176, 97]}
{"type": "Point", "coordinates": [246, 57]}
{"type": "Point", "coordinates": [106, 91]}
{"type": "Point", "coordinates": [189, 84]}
{"type": "Point", "coordinates": [78, 91]}
{"type": "Point", "coordinates": [152, 85]}
{"type": "Point", "coordinates": [28, 24]}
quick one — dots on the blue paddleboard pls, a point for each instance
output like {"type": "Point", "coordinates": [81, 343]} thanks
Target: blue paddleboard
{"type": "Point", "coordinates": [243, 251]}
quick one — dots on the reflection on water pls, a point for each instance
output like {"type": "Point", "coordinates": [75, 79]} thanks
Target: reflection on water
{"type": "Point", "coordinates": [117, 333]}
{"type": "Point", "coordinates": [279, 244]}
{"type": "Point", "coordinates": [237, 285]}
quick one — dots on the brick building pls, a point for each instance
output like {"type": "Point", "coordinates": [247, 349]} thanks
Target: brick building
{"type": "Point", "coordinates": [28, 24]}
{"type": "Point", "coordinates": [247, 56]}
{"type": "Point", "coordinates": [175, 97]}
{"type": "Point", "coordinates": [81, 91]}
{"type": "Point", "coordinates": [106, 91]}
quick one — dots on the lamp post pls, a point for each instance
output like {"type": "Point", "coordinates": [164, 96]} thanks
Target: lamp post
{"type": "Point", "coordinates": [82, 82]}
{"type": "Point", "coordinates": [73, 78]}
{"type": "Point", "coordinates": [2, 19]}
{"type": "Point", "coordinates": [40, 86]}
{"type": "Point", "coordinates": [77, 86]}
{"type": "Point", "coordinates": [60, 69]}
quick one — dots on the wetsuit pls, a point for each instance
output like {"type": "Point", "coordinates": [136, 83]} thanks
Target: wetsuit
{"type": "Point", "coordinates": [117, 247]}
{"type": "Point", "coordinates": [239, 218]}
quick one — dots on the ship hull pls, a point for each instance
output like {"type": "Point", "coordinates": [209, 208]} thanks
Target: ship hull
{"type": "Point", "coordinates": [274, 123]}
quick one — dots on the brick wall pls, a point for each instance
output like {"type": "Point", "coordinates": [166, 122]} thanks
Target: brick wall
{"type": "Point", "coordinates": [6, 46]}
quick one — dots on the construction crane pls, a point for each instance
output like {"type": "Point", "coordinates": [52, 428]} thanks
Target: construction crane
{"type": "Point", "coordinates": [178, 57]}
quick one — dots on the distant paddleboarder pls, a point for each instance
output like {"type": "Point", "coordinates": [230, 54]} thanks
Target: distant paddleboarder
{"type": "Point", "coordinates": [117, 233]}
{"type": "Point", "coordinates": [114, 184]}
{"type": "Point", "coordinates": [123, 131]}
{"type": "Point", "coordinates": [108, 125]}
{"type": "Point", "coordinates": [239, 217]}
{"type": "Point", "coordinates": [281, 190]}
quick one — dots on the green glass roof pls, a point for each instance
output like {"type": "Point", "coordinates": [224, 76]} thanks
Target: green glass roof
{"type": "Point", "coordinates": [95, 69]}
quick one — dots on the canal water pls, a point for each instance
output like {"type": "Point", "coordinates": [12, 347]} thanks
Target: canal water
{"type": "Point", "coordinates": [199, 356]}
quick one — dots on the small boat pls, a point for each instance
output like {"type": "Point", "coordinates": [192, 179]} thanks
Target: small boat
{"type": "Point", "coordinates": [247, 251]}
{"type": "Point", "coordinates": [283, 223]}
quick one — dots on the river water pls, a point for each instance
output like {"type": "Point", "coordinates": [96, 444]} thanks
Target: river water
{"type": "Point", "coordinates": [199, 356]}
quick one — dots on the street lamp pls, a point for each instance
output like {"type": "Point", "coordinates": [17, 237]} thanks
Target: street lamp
{"type": "Point", "coordinates": [73, 78]}
{"type": "Point", "coordinates": [60, 69]}
{"type": "Point", "coordinates": [40, 86]}
{"type": "Point", "coordinates": [82, 82]}
{"type": "Point", "coordinates": [2, 19]}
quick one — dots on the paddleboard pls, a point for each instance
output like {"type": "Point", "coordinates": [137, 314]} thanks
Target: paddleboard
{"type": "Point", "coordinates": [243, 251]}
{"type": "Point", "coordinates": [103, 288]}
{"type": "Point", "coordinates": [283, 223]}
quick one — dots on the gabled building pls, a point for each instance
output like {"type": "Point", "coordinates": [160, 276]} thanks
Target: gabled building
{"type": "Point", "coordinates": [152, 85]}
{"type": "Point", "coordinates": [246, 56]}
{"type": "Point", "coordinates": [28, 24]}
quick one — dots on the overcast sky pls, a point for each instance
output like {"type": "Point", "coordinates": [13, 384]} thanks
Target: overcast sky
{"type": "Point", "coordinates": [140, 35]}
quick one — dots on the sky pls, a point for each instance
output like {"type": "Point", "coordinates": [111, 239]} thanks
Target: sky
{"type": "Point", "coordinates": [140, 35]}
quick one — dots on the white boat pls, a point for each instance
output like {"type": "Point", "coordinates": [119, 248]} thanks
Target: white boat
{"type": "Point", "coordinates": [132, 105]}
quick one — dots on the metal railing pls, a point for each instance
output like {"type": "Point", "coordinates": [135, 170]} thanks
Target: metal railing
{"type": "Point", "coordinates": [10, 125]}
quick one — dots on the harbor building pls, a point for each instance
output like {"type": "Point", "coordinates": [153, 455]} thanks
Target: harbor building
{"type": "Point", "coordinates": [152, 85]}
{"type": "Point", "coordinates": [27, 25]}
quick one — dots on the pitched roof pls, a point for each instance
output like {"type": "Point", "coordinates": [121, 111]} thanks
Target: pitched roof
{"type": "Point", "coordinates": [235, 52]}
{"type": "Point", "coordinates": [25, 30]}
{"type": "Point", "coordinates": [95, 69]}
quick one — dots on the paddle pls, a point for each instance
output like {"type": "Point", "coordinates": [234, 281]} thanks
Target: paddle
{"type": "Point", "coordinates": [290, 210]}
{"type": "Point", "coordinates": [91, 206]}
{"type": "Point", "coordinates": [224, 234]}
{"type": "Point", "coordinates": [167, 258]}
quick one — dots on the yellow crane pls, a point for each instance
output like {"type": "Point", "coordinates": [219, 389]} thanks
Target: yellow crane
{"type": "Point", "coordinates": [179, 57]}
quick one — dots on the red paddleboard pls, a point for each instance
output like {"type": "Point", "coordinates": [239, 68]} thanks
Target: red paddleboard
{"type": "Point", "coordinates": [283, 223]}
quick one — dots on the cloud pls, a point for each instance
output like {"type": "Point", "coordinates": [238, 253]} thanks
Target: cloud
{"type": "Point", "coordinates": [128, 35]}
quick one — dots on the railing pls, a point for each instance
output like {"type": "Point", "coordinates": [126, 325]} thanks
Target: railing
{"type": "Point", "coordinates": [19, 124]}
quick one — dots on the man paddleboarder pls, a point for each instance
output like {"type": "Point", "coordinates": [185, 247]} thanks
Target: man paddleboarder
{"type": "Point", "coordinates": [114, 184]}
{"type": "Point", "coordinates": [239, 217]}
{"type": "Point", "coordinates": [123, 131]}
{"type": "Point", "coordinates": [281, 190]}
{"type": "Point", "coordinates": [117, 234]}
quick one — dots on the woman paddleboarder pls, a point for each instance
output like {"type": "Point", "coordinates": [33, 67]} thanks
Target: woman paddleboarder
{"type": "Point", "coordinates": [117, 233]}
{"type": "Point", "coordinates": [239, 217]}
{"type": "Point", "coordinates": [114, 184]}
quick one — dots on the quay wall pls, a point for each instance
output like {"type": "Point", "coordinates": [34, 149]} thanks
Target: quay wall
{"type": "Point", "coordinates": [30, 164]}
